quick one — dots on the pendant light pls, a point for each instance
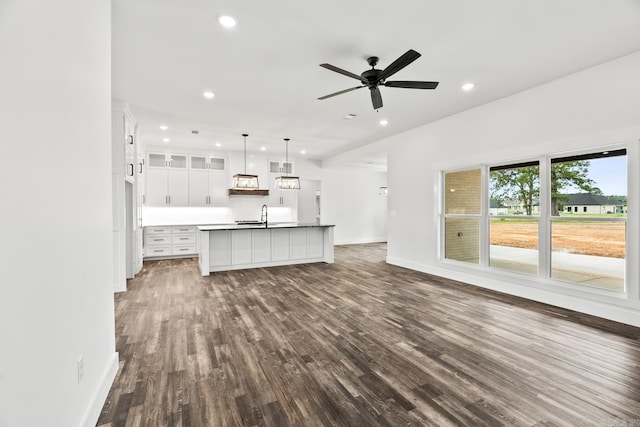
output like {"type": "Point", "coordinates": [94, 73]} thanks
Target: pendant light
{"type": "Point", "coordinates": [243, 181]}
{"type": "Point", "coordinates": [286, 182]}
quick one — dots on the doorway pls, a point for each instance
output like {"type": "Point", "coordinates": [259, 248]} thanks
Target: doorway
{"type": "Point", "coordinates": [309, 201]}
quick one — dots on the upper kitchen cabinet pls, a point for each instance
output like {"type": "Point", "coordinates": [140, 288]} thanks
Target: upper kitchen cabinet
{"type": "Point", "coordinates": [207, 181]}
{"type": "Point", "coordinates": [278, 197]}
{"type": "Point", "coordinates": [279, 167]}
{"type": "Point", "coordinates": [206, 162]}
{"type": "Point", "coordinates": [167, 161]}
{"type": "Point", "coordinates": [130, 149]}
{"type": "Point", "coordinates": [167, 180]}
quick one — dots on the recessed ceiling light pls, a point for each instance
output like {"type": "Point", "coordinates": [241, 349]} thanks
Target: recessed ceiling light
{"type": "Point", "coordinates": [218, 144]}
{"type": "Point", "coordinates": [227, 21]}
{"type": "Point", "coordinates": [467, 86]}
{"type": "Point", "coordinates": [164, 127]}
{"type": "Point", "coordinates": [384, 122]}
{"type": "Point", "coordinates": [349, 116]}
{"type": "Point", "coordinates": [208, 95]}
{"type": "Point", "coordinates": [303, 151]}
{"type": "Point", "coordinates": [263, 148]}
{"type": "Point", "coordinates": [165, 140]}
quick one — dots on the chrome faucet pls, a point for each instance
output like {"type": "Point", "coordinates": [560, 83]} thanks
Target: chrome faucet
{"type": "Point", "coordinates": [263, 215]}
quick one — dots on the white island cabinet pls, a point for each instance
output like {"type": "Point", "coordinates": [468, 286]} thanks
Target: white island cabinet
{"type": "Point", "coordinates": [234, 247]}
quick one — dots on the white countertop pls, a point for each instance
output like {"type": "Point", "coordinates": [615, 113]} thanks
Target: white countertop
{"type": "Point", "coordinates": [214, 227]}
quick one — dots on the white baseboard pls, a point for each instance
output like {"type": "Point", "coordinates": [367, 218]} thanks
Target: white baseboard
{"type": "Point", "coordinates": [120, 287]}
{"type": "Point", "coordinates": [92, 414]}
{"type": "Point", "coordinates": [622, 311]}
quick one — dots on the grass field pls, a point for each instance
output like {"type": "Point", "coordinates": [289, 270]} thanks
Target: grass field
{"type": "Point", "coordinates": [596, 238]}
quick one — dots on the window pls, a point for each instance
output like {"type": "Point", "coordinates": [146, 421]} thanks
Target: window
{"type": "Point", "coordinates": [589, 248]}
{"type": "Point", "coordinates": [513, 238]}
{"type": "Point", "coordinates": [462, 208]}
{"type": "Point", "coordinates": [559, 218]}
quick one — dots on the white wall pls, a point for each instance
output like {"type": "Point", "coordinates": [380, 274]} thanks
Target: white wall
{"type": "Point", "coordinates": [56, 293]}
{"type": "Point", "coordinates": [350, 200]}
{"type": "Point", "coordinates": [596, 107]}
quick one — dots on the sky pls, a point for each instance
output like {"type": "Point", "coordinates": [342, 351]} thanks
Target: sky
{"type": "Point", "coordinates": [610, 175]}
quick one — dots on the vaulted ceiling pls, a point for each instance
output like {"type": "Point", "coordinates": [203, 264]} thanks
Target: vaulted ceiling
{"type": "Point", "coordinates": [266, 77]}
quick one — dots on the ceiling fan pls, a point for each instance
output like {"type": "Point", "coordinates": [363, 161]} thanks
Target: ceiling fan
{"type": "Point", "coordinates": [373, 78]}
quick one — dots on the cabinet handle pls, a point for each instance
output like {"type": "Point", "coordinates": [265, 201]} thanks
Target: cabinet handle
{"type": "Point", "coordinates": [184, 238]}
{"type": "Point", "coordinates": [183, 249]}
{"type": "Point", "coordinates": [158, 250]}
{"type": "Point", "coordinates": [144, 200]}
{"type": "Point", "coordinates": [130, 139]}
{"type": "Point", "coordinates": [131, 169]}
{"type": "Point", "coordinates": [169, 199]}
{"type": "Point", "coordinates": [140, 164]}
{"type": "Point", "coordinates": [158, 240]}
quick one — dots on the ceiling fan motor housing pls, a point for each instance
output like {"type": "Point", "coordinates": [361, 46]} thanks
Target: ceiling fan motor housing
{"type": "Point", "coordinates": [372, 77]}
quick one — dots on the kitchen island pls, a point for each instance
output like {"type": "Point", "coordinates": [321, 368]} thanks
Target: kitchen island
{"type": "Point", "coordinates": [241, 246]}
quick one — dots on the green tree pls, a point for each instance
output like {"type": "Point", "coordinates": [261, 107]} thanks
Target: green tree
{"type": "Point", "coordinates": [570, 174]}
{"type": "Point", "coordinates": [523, 184]}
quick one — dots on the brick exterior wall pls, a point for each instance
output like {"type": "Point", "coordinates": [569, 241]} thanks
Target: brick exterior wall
{"type": "Point", "coordinates": [462, 192]}
{"type": "Point", "coordinates": [463, 196]}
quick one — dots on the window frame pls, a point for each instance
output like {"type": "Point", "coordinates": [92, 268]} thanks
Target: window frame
{"type": "Point", "coordinates": [479, 216]}
{"type": "Point", "coordinates": [544, 219]}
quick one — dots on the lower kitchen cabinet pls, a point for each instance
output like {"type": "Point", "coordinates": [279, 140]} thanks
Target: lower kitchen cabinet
{"type": "Point", "coordinates": [233, 249]}
{"type": "Point", "coordinates": [170, 241]}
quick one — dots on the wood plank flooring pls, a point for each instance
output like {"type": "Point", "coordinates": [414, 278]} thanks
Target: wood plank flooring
{"type": "Point", "coordinates": [359, 343]}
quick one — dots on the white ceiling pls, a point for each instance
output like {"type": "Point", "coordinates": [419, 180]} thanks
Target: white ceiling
{"type": "Point", "coordinates": [266, 75]}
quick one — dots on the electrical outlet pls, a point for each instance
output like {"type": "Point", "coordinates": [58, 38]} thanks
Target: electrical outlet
{"type": "Point", "coordinates": [80, 369]}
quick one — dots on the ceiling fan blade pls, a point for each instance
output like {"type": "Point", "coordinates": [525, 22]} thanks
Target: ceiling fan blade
{"type": "Point", "coordinates": [341, 92]}
{"type": "Point", "coordinates": [412, 84]}
{"type": "Point", "coordinates": [343, 72]}
{"type": "Point", "coordinates": [397, 65]}
{"type": "Point", "coordinates": [376, 98]}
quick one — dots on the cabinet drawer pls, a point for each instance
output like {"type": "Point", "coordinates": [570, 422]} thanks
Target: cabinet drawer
{"type": "Point", "coordinates": [183, 229]}
{"type": "Point", "coordinates": [158, 239]}
{"type": "Point", "coordinates": [157, 251]}
{"type": "Point", "coordinates": [183, 249]}
{"type": "Point", "coordinates": [158, 230]}
{"type": "Point", "coordinates": [183, 238]}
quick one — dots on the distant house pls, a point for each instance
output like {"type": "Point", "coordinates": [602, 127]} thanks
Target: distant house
{"type": "Point", "coordinates": [497, 208]}
{"type": "Point", "coordinates": [587, 203]}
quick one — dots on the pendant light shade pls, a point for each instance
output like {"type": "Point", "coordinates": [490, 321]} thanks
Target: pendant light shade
{"type": "Point", "coordinates": [244, 181]}
{"type": "Point", "coordinates": [286, 182]}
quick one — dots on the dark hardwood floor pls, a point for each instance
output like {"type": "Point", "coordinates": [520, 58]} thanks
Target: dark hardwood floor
{"type": "Point", "coordinates": [359, 343]}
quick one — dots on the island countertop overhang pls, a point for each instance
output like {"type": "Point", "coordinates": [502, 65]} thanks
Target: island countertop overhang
{"type": "Point", "coordinates": [217, 227]}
